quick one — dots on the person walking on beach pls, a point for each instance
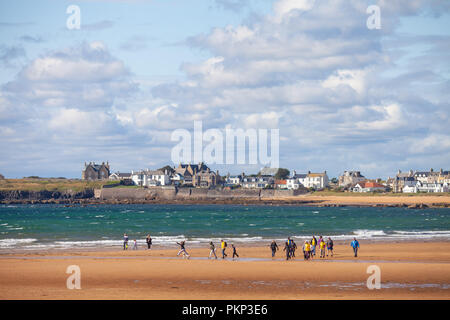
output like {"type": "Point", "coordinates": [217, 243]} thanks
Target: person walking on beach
{"type": "Point", "coordinates": [149, 241]}
{"type": "Point", "coordinates": [329, 246]}
{"type": "Point", "coordinates": [289, 242]}
{"type": "Point", "coordinates": [287, 248]}
{"type": "Point", "coordinates": [306, 250]}
{"type": "Point", "coordinates": [125, 241]}
{"type": "Point", "coordinates": [274, 248]}
{"type": "Point", "coordinates": [182, 249]}
{"type": "Point", "coordinates": [322, 246]}
{"type": "Point", "coordinates": [313, 246]}
{"type": "Point", "coordinates": [293, 248]}
{"type": "Point", "coordinates": [223, 246]}
{"type": "Point", "coordinates": [319, 241]}
{"type": "Point", "coordinates": [134, 244]}
{"type": "Point", "coordinates": [355, 246]}
{"type": "Point", "coordinates": [212, 250]}
{"type": "Point", "coordinates": [234, 251]}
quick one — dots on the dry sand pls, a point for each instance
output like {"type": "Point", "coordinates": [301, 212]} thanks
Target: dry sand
{"type": "Point", "coordinates": [361, 199]}
{"type": "Point", "coordinates": [409, 270]}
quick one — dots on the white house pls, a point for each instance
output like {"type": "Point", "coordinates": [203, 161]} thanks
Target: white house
{"type": "Point", "coordinates": [296, 181]}
{"type": "Point", "coordinates": [257, 182]}
{"type": "Point", "coordinates": [367, 186]}
{"type": "Point", "coordinates": [117, 176]}
{"type": "Point", "coordinates": [315, 180]}
{"type": "Point", "coordinates": [177, 179]}
{"type": "Point", "coordinates": [427, 187]}
{"type": "Point", "coordinates": [233, 180]}
{"type": "Point", "coordinates": [150, 178]}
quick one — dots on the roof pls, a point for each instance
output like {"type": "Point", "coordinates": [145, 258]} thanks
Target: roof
{"type": "Point", "coordinates": [122, 174]}
{"type": "Point", "coordinates": [94, 166]}
{"type": "Point", "coordinates": [299, 176]}
{"type": "Point", "coordinates": [316, 174]}
{"type": "Point", "coordinates": [154, 172]}
{"type": "Point", "coordinates": [422, 173]}
{"type": "Point", "coordinates": [280, 181]}
{"type": "Point", "coordinates": [369, 184]}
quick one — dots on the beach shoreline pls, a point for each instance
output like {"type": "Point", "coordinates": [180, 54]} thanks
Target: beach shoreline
{"type": "Point", "coordinates": [409, 270]}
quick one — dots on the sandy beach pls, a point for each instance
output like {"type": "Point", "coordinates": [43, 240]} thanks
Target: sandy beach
{"type": "Point", "coordinates": [370, 200]}
{"type": "Point", "coordinates": [409, 270]}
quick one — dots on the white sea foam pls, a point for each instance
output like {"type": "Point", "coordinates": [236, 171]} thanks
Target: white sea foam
{"type": "Point", "coordinates": [8, 243]}
{"type": "Point", "coordinates": [165, 240]}
{"type": "Point", "coordinates": [364, 233]}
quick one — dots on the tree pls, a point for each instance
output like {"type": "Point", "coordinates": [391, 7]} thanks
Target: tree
{"type": "Point", "coordinates": [334, 180]}
{"type": "Point", "coordinates": [282, 173]}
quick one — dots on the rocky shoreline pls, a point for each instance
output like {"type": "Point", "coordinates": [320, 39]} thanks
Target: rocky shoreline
{"type": "Point", "coordinates": [86, 199]}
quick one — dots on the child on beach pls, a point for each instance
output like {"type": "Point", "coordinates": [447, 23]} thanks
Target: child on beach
{"type": "Point", "coordinates": [134, 244]}
{"type": "Point", "coordinates": [274, 248]}
{"type": "Point", "coordinates": [182, 249]}
{"type": "Point", "coordinates": [234, 251]}
{"type": "Point", "coordinates": [125, 241]}
{"type": "Point", "coordinates": [329, 246]}
{"type": "Point", "coordinates": [306, 250]}
{"type": "Point", "coordinates": [212, 249]}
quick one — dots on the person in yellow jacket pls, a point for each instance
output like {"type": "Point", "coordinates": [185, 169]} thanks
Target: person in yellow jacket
{"type": "Point", "coordinates": [223, 246]}
{"type": "Point", "coordinates": [322, 246]}
{"type": "Point", "coordinates": [313, 246]}
{"type": "Point", "coordinates": [307, 250]}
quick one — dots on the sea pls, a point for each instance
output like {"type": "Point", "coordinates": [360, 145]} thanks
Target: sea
{"type": "Point", "coordinates": [54, 227]}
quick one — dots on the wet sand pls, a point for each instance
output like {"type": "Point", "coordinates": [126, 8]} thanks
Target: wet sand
{"type": "Point", "coordinates": [409, 270]}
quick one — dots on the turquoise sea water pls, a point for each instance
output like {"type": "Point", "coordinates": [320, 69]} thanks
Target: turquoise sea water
{"type": "Point", "coordinates": [56, 226]}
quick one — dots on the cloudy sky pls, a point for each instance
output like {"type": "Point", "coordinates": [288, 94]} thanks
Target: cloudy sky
{"type": "Point", "coordinates": [342, 95]}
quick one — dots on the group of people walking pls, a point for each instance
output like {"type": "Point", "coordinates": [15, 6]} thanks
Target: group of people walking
{"type": "Point", "coordinates": [223, 247]}
{"type": "Point", "coordinates": [148, 240]}
{"type": "Point", "coordinates": [309, 248]}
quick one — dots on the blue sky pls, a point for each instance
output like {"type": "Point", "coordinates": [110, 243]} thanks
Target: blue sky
{"type": "Point", "coordinates": [344, 97]}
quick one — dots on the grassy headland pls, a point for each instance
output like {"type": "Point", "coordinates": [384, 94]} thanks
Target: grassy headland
{"type": "Point", "coordinates": [50, 184]}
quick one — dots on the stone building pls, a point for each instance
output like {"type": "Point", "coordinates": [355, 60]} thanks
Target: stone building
{"type": "Point", "coordinates": [188, 171]}
{"type": "Point", "coordinates": [350, 178]}
{"type": "Point", "coordinates": [93, 171]}
{"type": "Point", "coordinates": [205, 178]}
{"type": "Point", "coordinates": [401, 180]}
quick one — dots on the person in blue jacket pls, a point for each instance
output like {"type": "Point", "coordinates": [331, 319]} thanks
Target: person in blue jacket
{"type": "Point", "coordinates": [355, 246]}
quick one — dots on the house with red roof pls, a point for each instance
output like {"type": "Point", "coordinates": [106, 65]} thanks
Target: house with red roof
{"type": "Point", "coordinates": [368, 186]}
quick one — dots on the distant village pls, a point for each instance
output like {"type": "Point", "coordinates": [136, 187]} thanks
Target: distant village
{"type": "Point", "coordinates": [201, 176]}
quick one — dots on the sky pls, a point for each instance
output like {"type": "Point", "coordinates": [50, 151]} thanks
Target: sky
{"type": "Point", "coordinates": [343, 96]}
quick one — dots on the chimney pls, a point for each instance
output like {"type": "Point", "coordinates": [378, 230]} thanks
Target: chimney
{"type": "Point", "coordinates": [431, 170]}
